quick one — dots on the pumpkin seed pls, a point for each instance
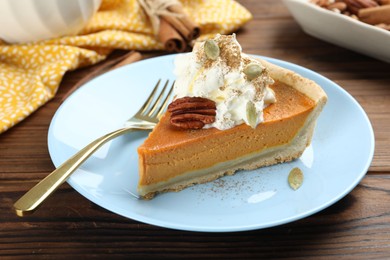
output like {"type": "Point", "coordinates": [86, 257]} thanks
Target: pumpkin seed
{"type": "Point", "coordinates": [211, 49]}
{"type": "Point", "coordinates": [253, 70]}
{"type": "Point", "coordinates": [251, 114]}
{"type": "Point", "coordinates": [295, 178]}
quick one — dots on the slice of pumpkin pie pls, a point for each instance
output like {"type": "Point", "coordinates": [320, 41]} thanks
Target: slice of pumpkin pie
{"type": "Point", "coordinates": [230, 112]}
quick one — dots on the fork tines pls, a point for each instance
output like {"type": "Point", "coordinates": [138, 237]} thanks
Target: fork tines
{"type": "Point", "coordinates": [157, 102]}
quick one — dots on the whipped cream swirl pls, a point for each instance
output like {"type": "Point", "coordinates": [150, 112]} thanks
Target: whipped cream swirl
{"type": "Point", "coordinates": [223, 80]}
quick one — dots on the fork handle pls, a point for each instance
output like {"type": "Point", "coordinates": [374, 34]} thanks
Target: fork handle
{"type": "Point", "coordinates": [35, 196]}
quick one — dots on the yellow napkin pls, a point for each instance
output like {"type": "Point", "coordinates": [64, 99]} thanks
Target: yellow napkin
{"type": "Point", "coordinates": [31, 73]}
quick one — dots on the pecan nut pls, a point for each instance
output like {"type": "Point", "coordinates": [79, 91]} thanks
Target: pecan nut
{"type": "Point", "coordinates": [355, 5]}
{"type": "Point", "coordinates": [337, 6]}
{"type": "Point", "coordinates": [192, 112]}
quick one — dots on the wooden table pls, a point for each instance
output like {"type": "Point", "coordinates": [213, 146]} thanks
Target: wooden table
{"type": "Point", "coordinates": [68, 225]}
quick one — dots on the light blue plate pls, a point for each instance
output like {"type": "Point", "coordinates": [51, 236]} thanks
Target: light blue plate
{"type": "Point", "coordinates": [340, 154]}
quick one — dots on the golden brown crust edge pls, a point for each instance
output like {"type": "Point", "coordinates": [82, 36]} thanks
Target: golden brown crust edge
{"type": "Point", "coordinates": [303, 85]}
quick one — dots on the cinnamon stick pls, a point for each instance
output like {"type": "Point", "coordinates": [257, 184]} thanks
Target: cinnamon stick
{"type": "Point", "coordinates": [375, 15]}
{"type": "Point", "coordinates": [174, 28]}
{"type": "Point", "coordinates": [186, 21]}
{"type": "Point", "coordinates": [178, 26]}
{"type": "Point", "coordinates": [172, 40]}
{"type": "Point", "coordinates": [128, 58]}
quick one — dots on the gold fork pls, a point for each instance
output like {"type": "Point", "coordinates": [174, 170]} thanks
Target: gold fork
{"type": "Point", "coordinates": [145, 119]}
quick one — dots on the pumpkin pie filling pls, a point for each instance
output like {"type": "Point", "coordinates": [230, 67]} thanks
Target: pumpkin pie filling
{"type": "Point", "coordinates": [169, 152]}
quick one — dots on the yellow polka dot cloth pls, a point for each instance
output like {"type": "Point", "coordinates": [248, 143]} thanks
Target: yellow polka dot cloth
{"type": "Point", "coordinates": [30, 74]}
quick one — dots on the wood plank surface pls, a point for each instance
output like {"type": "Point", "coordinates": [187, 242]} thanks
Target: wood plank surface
{"type": "Point", "coordinates": [69, 226]}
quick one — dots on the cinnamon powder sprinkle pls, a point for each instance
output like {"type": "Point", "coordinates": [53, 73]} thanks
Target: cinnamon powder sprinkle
{"type": "Point", "coordinates": [230, 52]}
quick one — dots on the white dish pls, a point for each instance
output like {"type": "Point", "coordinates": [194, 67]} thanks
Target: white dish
{"type": "Point", "coordinates": [33, 20]}
{"type": "Point", "coordinates": [340, 29]}
{"type": "Point", "coordinates": [340, 154]}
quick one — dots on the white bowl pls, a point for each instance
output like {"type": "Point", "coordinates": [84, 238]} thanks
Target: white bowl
{"type": "Point", "coordinates": [33, 20]}
{"type": "Point", "coordinates": [340, 29]}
